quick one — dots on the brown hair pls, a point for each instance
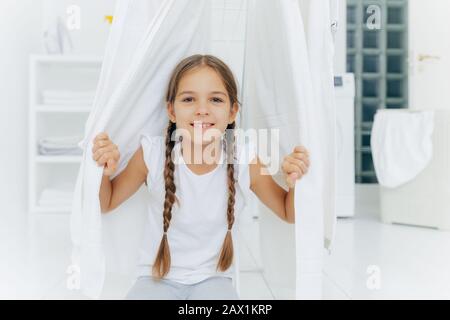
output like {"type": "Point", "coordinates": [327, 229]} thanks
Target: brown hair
{"type": "Point", "coordinates": [161, 265]}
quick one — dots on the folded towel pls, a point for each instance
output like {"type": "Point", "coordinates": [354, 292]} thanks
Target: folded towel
{"type": "Point", "coordinates": [67, 94]}
{"type": "Point", "coordinates": [62, 102]}
{"type": "Point", "coordinates": [56, 152]}
{"type": "Point", "coordinates": [60, 141]}
{"type": "Point", "coordinates": [67, 97]}
{"type": "Point", "coordinates": [63, 145]}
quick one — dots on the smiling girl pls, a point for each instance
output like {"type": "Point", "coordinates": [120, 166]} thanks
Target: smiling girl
{"type": "Point", "coordinates": [195, 196]}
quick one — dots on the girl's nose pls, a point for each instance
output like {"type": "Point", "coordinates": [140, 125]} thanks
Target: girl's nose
{"type": "Point", "coordinates": [202, 108]}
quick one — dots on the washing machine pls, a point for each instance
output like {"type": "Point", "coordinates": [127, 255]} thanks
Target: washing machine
{"type": "Point", "coordinates": [344, 86]}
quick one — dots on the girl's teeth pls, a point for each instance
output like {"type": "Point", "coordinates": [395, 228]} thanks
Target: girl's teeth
{"type": "Point", "coordinates": [202, 125]}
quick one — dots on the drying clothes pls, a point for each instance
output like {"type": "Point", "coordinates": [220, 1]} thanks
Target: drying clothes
{"type": "Point", "coordinates": [288, 86]}
{"type": "Point", "coordinates": [148, 38]}
{"type": "Point", "coordinates": [401, 144]}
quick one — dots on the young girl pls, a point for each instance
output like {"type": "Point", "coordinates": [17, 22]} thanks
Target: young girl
{"type": "Point", "coordinates": [196, 196]}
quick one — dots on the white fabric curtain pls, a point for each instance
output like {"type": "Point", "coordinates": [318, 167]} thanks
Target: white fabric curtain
{"type": "Point", "coordinates": [287, 85]}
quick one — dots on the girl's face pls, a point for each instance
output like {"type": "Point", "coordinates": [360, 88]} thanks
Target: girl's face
{"type": "Point", "coordinates": [202, 107]}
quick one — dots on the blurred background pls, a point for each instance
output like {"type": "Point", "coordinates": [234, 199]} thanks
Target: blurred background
{"type": "Point", "coordinates": [391, 77]}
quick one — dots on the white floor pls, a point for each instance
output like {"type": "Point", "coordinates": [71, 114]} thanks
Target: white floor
{"type": "Point", "coordinates": [369, 260]}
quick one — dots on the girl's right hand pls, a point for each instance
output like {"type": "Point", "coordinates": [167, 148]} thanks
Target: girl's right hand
{"type": "Point", "coordinates": [106, 153]}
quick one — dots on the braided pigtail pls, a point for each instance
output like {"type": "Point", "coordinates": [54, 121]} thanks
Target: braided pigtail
{"type": "Point", "coordinates": [227, 252]}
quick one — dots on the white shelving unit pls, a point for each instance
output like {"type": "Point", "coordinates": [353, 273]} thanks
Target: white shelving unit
{"type": "Point", "coordinates": [56, 73]}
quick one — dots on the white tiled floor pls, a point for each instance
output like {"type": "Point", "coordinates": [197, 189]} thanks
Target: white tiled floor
{"type": "Point", "coordinates": [412, 262]}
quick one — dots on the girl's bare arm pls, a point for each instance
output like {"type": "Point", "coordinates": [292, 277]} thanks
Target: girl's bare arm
{"type": "Point", "coordinates": [280, 201]}
{"type": "Point", "coordinates": [267, 190]}
{"type": "Point", "coordinates": [114, 192]}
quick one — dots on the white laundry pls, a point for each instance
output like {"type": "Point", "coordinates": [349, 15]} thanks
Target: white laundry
{"type": "Point", "coordinates": [288, 85]}
{"type": "Point", "coordinates": [68, 94]}
{"type": "Point", "coordinates": [401, 144]}
{"type": "Point", "coordinates": [60, 145]}
{"type": "Point", "coordinates": [65, 102]}
{"type": "Point", "coordinates": [147, 40]}
{"type": "Point", "coordinates": [67, 97]}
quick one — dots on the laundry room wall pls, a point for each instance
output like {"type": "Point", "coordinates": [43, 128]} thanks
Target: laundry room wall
{"type": "Point", "coordinates": [90, 34]}
{"type": "Point", "coordinates": [20, 34]}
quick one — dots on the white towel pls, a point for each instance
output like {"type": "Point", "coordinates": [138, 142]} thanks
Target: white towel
{"type": "Point", "coordinates": [59, 151]}
{"type": "Point", "coordinates": [64, 145]}
{"type": "Point", "coordinates": [64, 102]}
{"type": "Point", "coordinates": [67, 94]}
{"type": "Point", "coordinates": [67, 97]}
{"type": "Point", "coordinates": [401, 145]}
{"type": "Point", "coordinates": [60, 141]}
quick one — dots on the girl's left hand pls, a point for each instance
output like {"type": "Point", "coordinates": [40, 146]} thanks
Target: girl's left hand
{"type": "Point", "coordinates": [295, 165]}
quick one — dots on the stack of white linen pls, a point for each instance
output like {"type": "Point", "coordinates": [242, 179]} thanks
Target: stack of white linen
{"type": "Point", "coordinates": [61, 145]}
{"type": "Point", "coordinates": [68, 97]}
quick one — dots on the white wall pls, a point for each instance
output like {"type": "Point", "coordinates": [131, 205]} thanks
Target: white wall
{"type": "Point", "coordinates": [21, 26]}
{"type": "Point", "coordinates": [91, 37]}
{"type": "Point", "coordinates": [20, 32]}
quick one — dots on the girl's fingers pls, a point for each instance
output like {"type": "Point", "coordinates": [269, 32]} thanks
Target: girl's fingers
{"type": "Point", "coordinates": [292, 168]}
{"type": "Point", "coordinates": [304, 167]}
{"type": "Point", "coordinates": [286, 166]}
{"type": "Point", "coordinates": [101, 151]}
{"type": "Point", "coordinates": [110, 168]}
{"type": "Point", "coordinates": [300, 149]}
{"type": "Point", "coordinates": [299, 166]}
{"type": "Point", "coordinates": [301, 156]}
{"type": "Point", "coordinates": [104, 158]}
{"type": "Point", "coordinates": [116, 154]}
{"type": "Point", "coordinates": [100, 136]}
{"type": "Point", "coordinates": [111, 164]}
{"type": "Point", "coordinates": [291, 178]}
{"type": "Point", "coordinates": [100, 144]}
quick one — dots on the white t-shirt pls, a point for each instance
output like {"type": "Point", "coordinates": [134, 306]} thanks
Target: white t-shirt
{"type": "Point", "coordinates": [199, 225]}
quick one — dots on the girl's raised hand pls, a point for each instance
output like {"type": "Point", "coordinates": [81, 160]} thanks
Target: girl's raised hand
{"type": "Point", "coordinates": [105, 153]}
{"type": "Point", "coordinates": [295, 165]}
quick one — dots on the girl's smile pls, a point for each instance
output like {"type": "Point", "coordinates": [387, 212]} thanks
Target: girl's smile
{"type": "Point", "coordinates": [202, 125]}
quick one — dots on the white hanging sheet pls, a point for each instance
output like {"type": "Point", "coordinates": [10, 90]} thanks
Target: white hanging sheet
{"type": "Point", "coordinates": [287, 85]}
{"type": "Point", "coordinates": [147, 40]}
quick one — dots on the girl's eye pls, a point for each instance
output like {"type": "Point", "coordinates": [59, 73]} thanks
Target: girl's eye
{"type": "Point", "coordinates": [218, 100]}
{"type": "Point", "coordinates": [188, 99]}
